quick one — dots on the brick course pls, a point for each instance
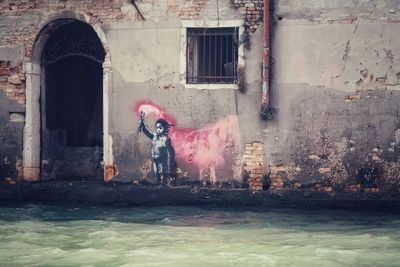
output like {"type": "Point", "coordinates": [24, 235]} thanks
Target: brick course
{"type": "Point", "coordinates": [252, 12]}
{"type": "Point", "coordinates": [276, 176]}
{"type": "Point", "coordinates": [253, 161]}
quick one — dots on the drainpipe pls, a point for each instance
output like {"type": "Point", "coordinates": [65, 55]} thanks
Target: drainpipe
{"type": "Point", "coordinates": [265, 105]}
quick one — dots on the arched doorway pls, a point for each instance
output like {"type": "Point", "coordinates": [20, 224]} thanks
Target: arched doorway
{"type": "Point", "coordinates": [71, 103]}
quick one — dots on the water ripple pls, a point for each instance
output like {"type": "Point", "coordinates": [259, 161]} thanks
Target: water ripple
{"type": "Point", "coordinates": [51, 235]}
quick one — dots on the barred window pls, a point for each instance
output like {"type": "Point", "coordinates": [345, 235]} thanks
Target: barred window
{"type": "Point", "coordinates": [212, 55]}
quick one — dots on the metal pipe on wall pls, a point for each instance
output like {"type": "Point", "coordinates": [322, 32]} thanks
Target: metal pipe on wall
{"type": "Point", "coordinates": [266, 57]}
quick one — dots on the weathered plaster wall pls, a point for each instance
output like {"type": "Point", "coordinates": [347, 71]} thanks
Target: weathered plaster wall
{"type": "Point", "coordinates": [11, 125]}
{"type": "Point", "coordinates": [214, 115]}
{"type": "Point", "coordinates": [133, 68]}
{"type": "Point", "coordinates": [335, 81]}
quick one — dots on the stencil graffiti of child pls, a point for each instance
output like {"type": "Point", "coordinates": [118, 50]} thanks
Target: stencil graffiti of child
{"type": "Point", "coordinates": [162, 151]}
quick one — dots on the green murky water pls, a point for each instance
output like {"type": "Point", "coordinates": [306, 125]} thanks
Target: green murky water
{"type": "Point", "coordinates": [46, 235]}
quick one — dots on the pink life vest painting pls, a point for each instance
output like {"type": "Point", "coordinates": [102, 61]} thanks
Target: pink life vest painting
{"type": "Point", "coordinates": [204, 152]}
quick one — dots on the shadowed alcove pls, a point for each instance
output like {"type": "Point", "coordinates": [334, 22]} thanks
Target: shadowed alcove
{"type": "Point", "coordinates": [72, 103]}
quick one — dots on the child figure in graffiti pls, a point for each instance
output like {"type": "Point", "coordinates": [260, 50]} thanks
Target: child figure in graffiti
{"type": "Point", "coordinates": [162, 152]}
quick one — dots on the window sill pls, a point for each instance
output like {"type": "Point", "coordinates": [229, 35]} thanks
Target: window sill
{"type": "Point", "coordinates": [211, 86]}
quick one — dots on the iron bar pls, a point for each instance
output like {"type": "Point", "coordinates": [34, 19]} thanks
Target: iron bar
{"type": "Point", "coordinates": [216, 53]}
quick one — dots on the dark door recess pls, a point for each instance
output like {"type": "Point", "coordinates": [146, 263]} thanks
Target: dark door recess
{"type": "Point", "coordinates": [72, 104]}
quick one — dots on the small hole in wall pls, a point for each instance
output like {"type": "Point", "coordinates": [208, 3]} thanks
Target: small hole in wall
{"type": "Point", "coordinates": [17, 116]}
{"type": "Point", "coordinates": [280, 17]}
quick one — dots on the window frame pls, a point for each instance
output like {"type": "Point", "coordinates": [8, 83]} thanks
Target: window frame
{"type": "Point", "coordinates": [183, 51]}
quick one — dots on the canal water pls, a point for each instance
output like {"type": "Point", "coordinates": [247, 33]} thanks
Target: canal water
{"type": "Point", "coordinates": [76, 235]}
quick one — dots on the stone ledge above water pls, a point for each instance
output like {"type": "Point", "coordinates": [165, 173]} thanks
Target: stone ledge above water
{"type": "Point", "coordinates": [157, 195]}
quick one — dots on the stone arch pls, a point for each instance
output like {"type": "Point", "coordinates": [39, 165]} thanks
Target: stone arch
{"type": "Point", "coordinates": [32, 142]}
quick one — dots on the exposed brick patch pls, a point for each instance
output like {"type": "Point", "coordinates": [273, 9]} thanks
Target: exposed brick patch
{"type": "Point", "coordinates": [193, 11]}
{"type": "Point", "coordinates": [358, 188]}
{"type": "Point", "coordinates": [322, 188]}
{"type": "Point", "coordinates": [276, 177]}
{"type": "Point", "coordinates": [16, 8]}
{"type": "Point", "coordinates": [352, 188]}
{"type": "Point", "coordinates": [110, 171]}
{"type": "Point", "coordinates": [253, 163]}
{"type": "Point", "coordinates": [101, 9]}
{"type": "Point", "coordinates": [22, 29]}
{"type": "Point", "coordinates": [252, 12]}
{"type": "Point", "coordinates": [12, 81]}
{"type": "Point", "coordinates": [97, 12]}
{"type": "Point", "coordinates": [173, 6]}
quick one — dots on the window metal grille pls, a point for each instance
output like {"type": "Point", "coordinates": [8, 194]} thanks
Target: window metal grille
{"type": "Point", "coordinates": [212, 55]}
